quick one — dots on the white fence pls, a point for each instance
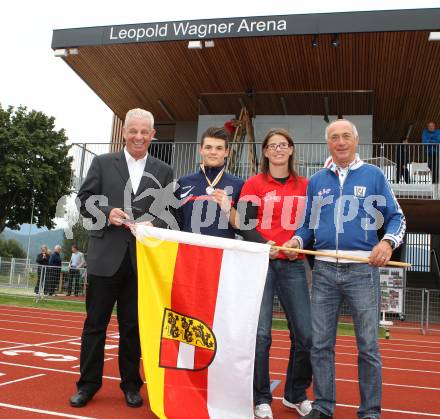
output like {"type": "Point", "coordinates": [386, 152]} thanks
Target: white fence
{"type": "Point", "coordinates": [21, 278]}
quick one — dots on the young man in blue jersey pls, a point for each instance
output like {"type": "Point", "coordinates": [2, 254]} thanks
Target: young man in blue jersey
{"type": "Point", "coordinates": [347, 202]}
{"type": "Point", "coordinates": [208, 195]}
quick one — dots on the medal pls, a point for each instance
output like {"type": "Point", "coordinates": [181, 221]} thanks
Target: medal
{"type": "Point", "coordinates": [211, 185]}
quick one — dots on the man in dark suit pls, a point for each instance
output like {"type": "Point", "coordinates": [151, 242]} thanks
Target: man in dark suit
{"type": "Point", "coordinates": [53, 272]}
{"type": "Point", "coordinates": [119, 188]}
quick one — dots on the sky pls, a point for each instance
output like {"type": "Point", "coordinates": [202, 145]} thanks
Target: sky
{"type": "Point", "coordinates": [30, 75]}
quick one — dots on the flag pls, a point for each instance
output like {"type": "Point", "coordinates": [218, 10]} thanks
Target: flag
{"type": "Point", "coordinates": [199, 303]}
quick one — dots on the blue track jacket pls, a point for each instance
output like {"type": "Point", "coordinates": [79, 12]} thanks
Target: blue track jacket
{"type": "Point", "coordinates": [347, 217]}
{"type": "Point", "coordinates": [198, 213]}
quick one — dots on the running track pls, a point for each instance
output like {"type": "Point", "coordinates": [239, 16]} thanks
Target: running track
{"type": "Point", "coordinates": [39, 351]}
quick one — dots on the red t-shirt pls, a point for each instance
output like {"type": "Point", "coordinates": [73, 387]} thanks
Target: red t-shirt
{"type": "Point", "coordinates": [280, 206]}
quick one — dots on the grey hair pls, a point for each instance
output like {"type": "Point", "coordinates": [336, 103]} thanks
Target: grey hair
{"type": "Point", "coordinates": [57, 246]}
{"type": "Point", "coordinates": [353, 127]}
{"type": "Point", "coordinates": [139, 113]}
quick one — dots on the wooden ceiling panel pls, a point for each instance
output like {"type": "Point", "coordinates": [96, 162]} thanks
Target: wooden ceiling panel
{"type": "Point", "coordinates": [398, 72]}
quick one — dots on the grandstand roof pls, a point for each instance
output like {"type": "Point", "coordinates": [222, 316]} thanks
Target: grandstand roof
{"type": "Point", "coordinates": [384, 65]}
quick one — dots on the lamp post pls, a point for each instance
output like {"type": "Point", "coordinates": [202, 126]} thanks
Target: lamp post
{"type": "Point", "coordinates": [29, 235]}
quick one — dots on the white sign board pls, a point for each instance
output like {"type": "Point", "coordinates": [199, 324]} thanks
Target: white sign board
{"type": "Point", "coordinates": [392, 284]}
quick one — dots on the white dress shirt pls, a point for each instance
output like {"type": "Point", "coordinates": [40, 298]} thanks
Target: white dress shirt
{"type": "Point", "coordinates": [135, 169]}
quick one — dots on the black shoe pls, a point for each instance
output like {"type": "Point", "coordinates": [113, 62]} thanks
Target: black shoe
{"type": "Point", "coordinates": [316, 414]}
{"type": "Point", "coordinates": [80, 398]}
{"type": "Point", "coordinates": [133, 398]}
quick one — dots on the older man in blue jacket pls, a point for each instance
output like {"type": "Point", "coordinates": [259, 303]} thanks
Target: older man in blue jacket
{"type": "Point", "coordinates": [348, 201]}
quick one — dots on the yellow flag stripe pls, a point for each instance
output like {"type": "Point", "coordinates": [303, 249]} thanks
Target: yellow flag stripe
{"type": "Point", "coordinates": [156, 262]}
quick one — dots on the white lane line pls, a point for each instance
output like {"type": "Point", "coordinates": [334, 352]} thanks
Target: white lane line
{"type": "Point", "coordinates": [43, 324]}
{"type": "Point", "coordinates": [52, 318]}
{"type": "Point", "coordinates": [382, 340]}
{"type": "Point", "coordinates": [52, 369]}
{"type": "Point", "coordinates": [348, 380]}
{"type": "Point", "coordinates": [14, 343]}
{"type": "Point", "coordinates": [106, 359]}
{"type": "Point", "coordinates": [21, 379]}
{"type": "Point", "coordinates": [383, 367]}
{"type": "Point", "coordinates": [394, 368]}
{"type": "Point", "coordinates": [403, 345]}
{"type": "Point", "coordinates": [27, 345]}
{"type": "Point", "coordinates": [80, 325]}
{"type": "Point", "coordinates": [385, 348]}
{"type": "Point", "coordinates": [62, 348]}
{"type": "Point", "coordinates": [32, 331]}
{"type": "Point", "coordinates": [25, 311]}
{"type": "Point", "coordinates": [45, 412]}
{"type": "Point", "coordinates": [407, 412]}
{"type": "Point", "coordinates": [382, 350]}
{"type": "Point", "coordinates": [391, 357]}
{"type": "Point", "coordinates": [75, 341]}
{"type": "Point", "coordinates": [426, 342]}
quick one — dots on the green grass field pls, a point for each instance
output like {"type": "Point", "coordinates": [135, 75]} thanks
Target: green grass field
{"type": "Point", "coordinates": [31, 301]}
{"type": "Point", "coordinates": [344, 329]}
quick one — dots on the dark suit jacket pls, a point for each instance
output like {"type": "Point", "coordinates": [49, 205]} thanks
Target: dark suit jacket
{"type": "Point", "coordinates": [55, 259]}
{"type": "Point", "coordinates": [108, 179]}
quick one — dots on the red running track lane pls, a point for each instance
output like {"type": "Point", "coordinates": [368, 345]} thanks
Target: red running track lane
{"type": "Point", "coordinates": [39, 364]}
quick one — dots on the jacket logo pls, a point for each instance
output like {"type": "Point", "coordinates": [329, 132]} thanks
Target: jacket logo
{"type": "Point", "coordinates": [359, 191]}
{"type": "Point", "coordinates": [186, 342]}
{"type": "Point", "coordinates": [324, 192]}
{"type": "Point", "coordinates": [186, 193]}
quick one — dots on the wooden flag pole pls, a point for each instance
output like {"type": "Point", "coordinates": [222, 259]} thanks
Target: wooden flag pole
{"type": "Point", "coordinates": [339, 256]}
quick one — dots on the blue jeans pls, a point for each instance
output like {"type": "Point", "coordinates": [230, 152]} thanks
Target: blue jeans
{"type": "Point", "coordinates": [288, 280]}
{"type": "Point", "coordinates": [357, 284]}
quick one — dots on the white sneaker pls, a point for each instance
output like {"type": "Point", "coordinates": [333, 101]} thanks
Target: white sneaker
{"type": "Point", "coordinates": [263, 411]}
{"type": "Point", "coordinates": [303, 408]}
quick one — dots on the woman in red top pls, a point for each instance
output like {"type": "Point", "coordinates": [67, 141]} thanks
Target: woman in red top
{"type": "Point", "coordinates": [275, 198]}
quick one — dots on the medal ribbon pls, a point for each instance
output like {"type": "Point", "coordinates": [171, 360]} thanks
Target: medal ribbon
{"type": "Point", "coordinates": [217, 178]}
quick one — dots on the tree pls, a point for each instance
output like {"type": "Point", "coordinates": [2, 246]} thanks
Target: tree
{"type": "Point", "coordinates": [35, 168]}
{"type": "Point", "coordinates": [11, 249]}
{"type": "Point", "coordinates": [80, 238]}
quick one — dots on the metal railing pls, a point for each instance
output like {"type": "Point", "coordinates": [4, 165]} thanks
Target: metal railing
{"type": "Point", "coordinates": [412, 169]}
{"type": "Point", "coordinates": [21, 278]}
{"type": "Point", "coordinates": [421, 310]}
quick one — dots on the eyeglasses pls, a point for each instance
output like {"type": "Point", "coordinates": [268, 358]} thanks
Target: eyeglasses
{"type": "Point", "coordinates": [281, 146]}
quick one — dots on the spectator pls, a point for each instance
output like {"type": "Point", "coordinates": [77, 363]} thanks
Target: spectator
{"type": "Point", "coordinates": [54, 271]}
{"type": "Point", "coordinates": [402, 160]}
{"type": "Point", "coordinates": [431, 136]}
{"type": "Point", "coordinates": [42, 260]}
{"type": "Point", "coordinates": [77, 262]}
